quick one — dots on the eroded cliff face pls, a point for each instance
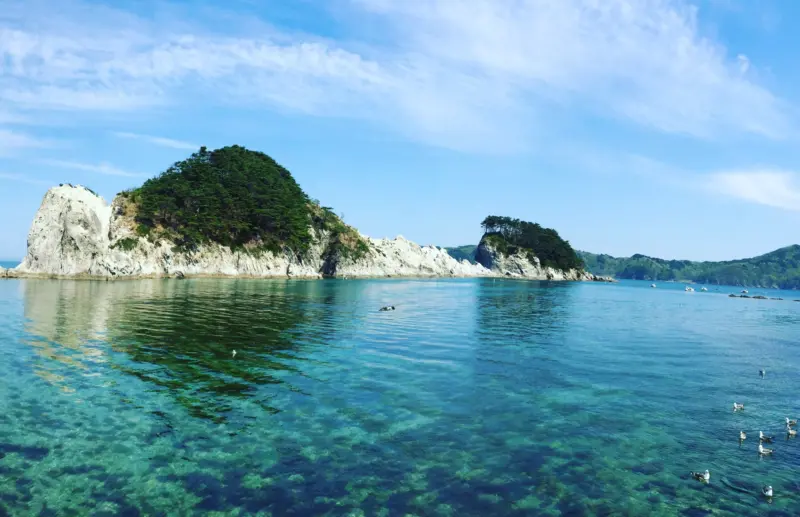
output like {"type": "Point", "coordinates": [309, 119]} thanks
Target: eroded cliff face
{"type": "Point", "coordinates": [520, 266]}
{"type": "Point", "coordinates": [77, 234]}
{"type": "Point", "coordinates": [69, 234]}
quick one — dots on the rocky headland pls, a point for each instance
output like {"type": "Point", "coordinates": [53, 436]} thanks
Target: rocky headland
{"type": "Point", "coordinates": [77, 234]}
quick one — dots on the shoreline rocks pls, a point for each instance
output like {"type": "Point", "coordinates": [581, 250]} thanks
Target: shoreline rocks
{"type": "Point", "coordinates": [756, 297]}
{"type": "Point", "coordinates": [76, 234]}
{"type": "Point", "coordinates": [518, 265]}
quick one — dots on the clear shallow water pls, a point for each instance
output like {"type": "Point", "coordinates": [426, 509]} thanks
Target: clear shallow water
{"type": "Point", "coordinates": [475, 397]}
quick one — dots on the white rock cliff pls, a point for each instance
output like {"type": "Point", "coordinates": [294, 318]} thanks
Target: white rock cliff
{"type": "Point", "coordinates": [77, 234]}
{"type": "Point", "coordinates": [519, 266]}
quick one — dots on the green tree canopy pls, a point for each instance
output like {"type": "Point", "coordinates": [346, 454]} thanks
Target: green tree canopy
{"type": "Point", "coordinates": [231, 196]}
{"type": "Point", "coordinates": [544, 243]}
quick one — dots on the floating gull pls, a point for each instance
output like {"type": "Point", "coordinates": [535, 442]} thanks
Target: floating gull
{"type": "Point", "coordinates": [742, 436]}
{"type": "Point", "coordinates": [791, 422]}
{"type": "Point", "coordinates": [234, 354]}
{"type": "Point", "coordinates": [790, 431]}
{"type": "Point", "coordinates": [762, 372]}
{"type": "Point", "coordinates": [387, 308]}
{"type": "Point", "coordinates": [764, 438]}
{"type": "Point", "coordinates": [702, 476]}
{"type": "Point", "coordinates": [767, 491]}
{"type": "Point", "coordinates": [738, 407]}
{"type": "Point", "coordinates": [763, 450]}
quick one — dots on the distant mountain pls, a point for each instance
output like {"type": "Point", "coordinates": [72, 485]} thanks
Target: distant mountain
{"type": "Point", "coordinates": [777, 269]}
{"type": "Point", "coordinates": [463, 252]}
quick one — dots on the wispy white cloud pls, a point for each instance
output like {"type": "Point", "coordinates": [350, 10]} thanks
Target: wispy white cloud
{"type": "Point", "coordinates": [744, 63]}
{"type": "Point", "coordinates": [100, 168]}
{"type": "Point", "coordinates": [8, 117]}
{"type": "Point", "coordinates": [645, 61]}
{"type": "Point", "coordinates": [12, 142]}
{"type": "Point", "coordinates": [23, 179]}
{"type": "Point", "coordinates": [157, 140]}
{"type": "Point", "coordinates": [473, 75]}
{"type": "Point", "coordinates": [772, 187]}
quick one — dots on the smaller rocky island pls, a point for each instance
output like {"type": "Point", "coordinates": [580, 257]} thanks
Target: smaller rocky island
{"type": "Point", "coordinates": [236, 212]}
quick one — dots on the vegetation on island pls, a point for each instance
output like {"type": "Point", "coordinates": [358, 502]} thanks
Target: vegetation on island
{"type": "Point", "coordinates": [238, 198]}
{"type": "Point", "coordinates": [510, 236]}
{"type": "Point", "coordinates": [345, 241]}
{"type": "Point", "coordinates": [777, 269]}
{"type": "Point", "coordinates": [126, 244]}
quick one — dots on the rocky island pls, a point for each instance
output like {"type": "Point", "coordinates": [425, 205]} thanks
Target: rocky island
{"type": "Point", "coordinates": [236, 212]}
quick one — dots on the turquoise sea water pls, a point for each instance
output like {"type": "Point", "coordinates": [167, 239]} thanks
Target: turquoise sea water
{"type": "Point", "coordinates": [8, 264]}
{"type": "Point", "coordinates": [475, 397]}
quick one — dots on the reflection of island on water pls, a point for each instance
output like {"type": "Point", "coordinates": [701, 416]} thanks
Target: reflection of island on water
{"type": "Point", "coordinates": [523, 324]}
{"type": "Point", "coordinates": [523, 309]}
{"type": "Point", "coordinates": [62, 321]}
{"type": "Point", "coordinates": [177, 335]}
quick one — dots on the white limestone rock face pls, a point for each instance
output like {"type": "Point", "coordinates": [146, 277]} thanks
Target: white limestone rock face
{"type": "Point", "coordinates": [3, 272]}
{"type": "Point", "coordinates": [69, 234]}
{"type": "Point", "coordinates": [401, 257]}
{"type": "Point", "coordinates": [77, 234]}
{"type": "Point", "coordinates": [519, 266]}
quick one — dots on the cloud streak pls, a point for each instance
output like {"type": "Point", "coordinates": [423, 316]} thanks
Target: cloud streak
{"type": "Point", "coordinates": [771, 187]}
{"type": "Point", "coordinates": [12, 142]}
{"type": "Point", "coordinates": [23, 179]}
{"type": "Point", "coordinates": [100, 168]}
{"type": "Point", "coordinates": [472, 75]}
{"type": "Point", "coordinates": [643, 61]}
{"type": "Point", "coordinates": [157, 140]}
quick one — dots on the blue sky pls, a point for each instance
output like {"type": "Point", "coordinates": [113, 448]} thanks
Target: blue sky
{"type": "Point", "coordinates": [661, 127]}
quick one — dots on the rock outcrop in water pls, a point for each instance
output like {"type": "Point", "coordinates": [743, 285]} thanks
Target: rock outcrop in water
{"type": "Point", "coordinates": [237, 212]}
{"type": "Point", "coordinates": [76, 234]}
{"type": "Point", "coordinates": [518, 264]}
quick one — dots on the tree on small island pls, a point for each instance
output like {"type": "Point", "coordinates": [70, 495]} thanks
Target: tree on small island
{"type": "Point", "coordinates": [514, 235]}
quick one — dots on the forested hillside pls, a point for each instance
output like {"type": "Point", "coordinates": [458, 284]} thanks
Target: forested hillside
{"type": "Point", "coordinates": [779, 268]}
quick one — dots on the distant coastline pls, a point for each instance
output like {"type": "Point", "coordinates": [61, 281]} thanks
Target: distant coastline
{"type": "Point", "coordinates": [779, 269]}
